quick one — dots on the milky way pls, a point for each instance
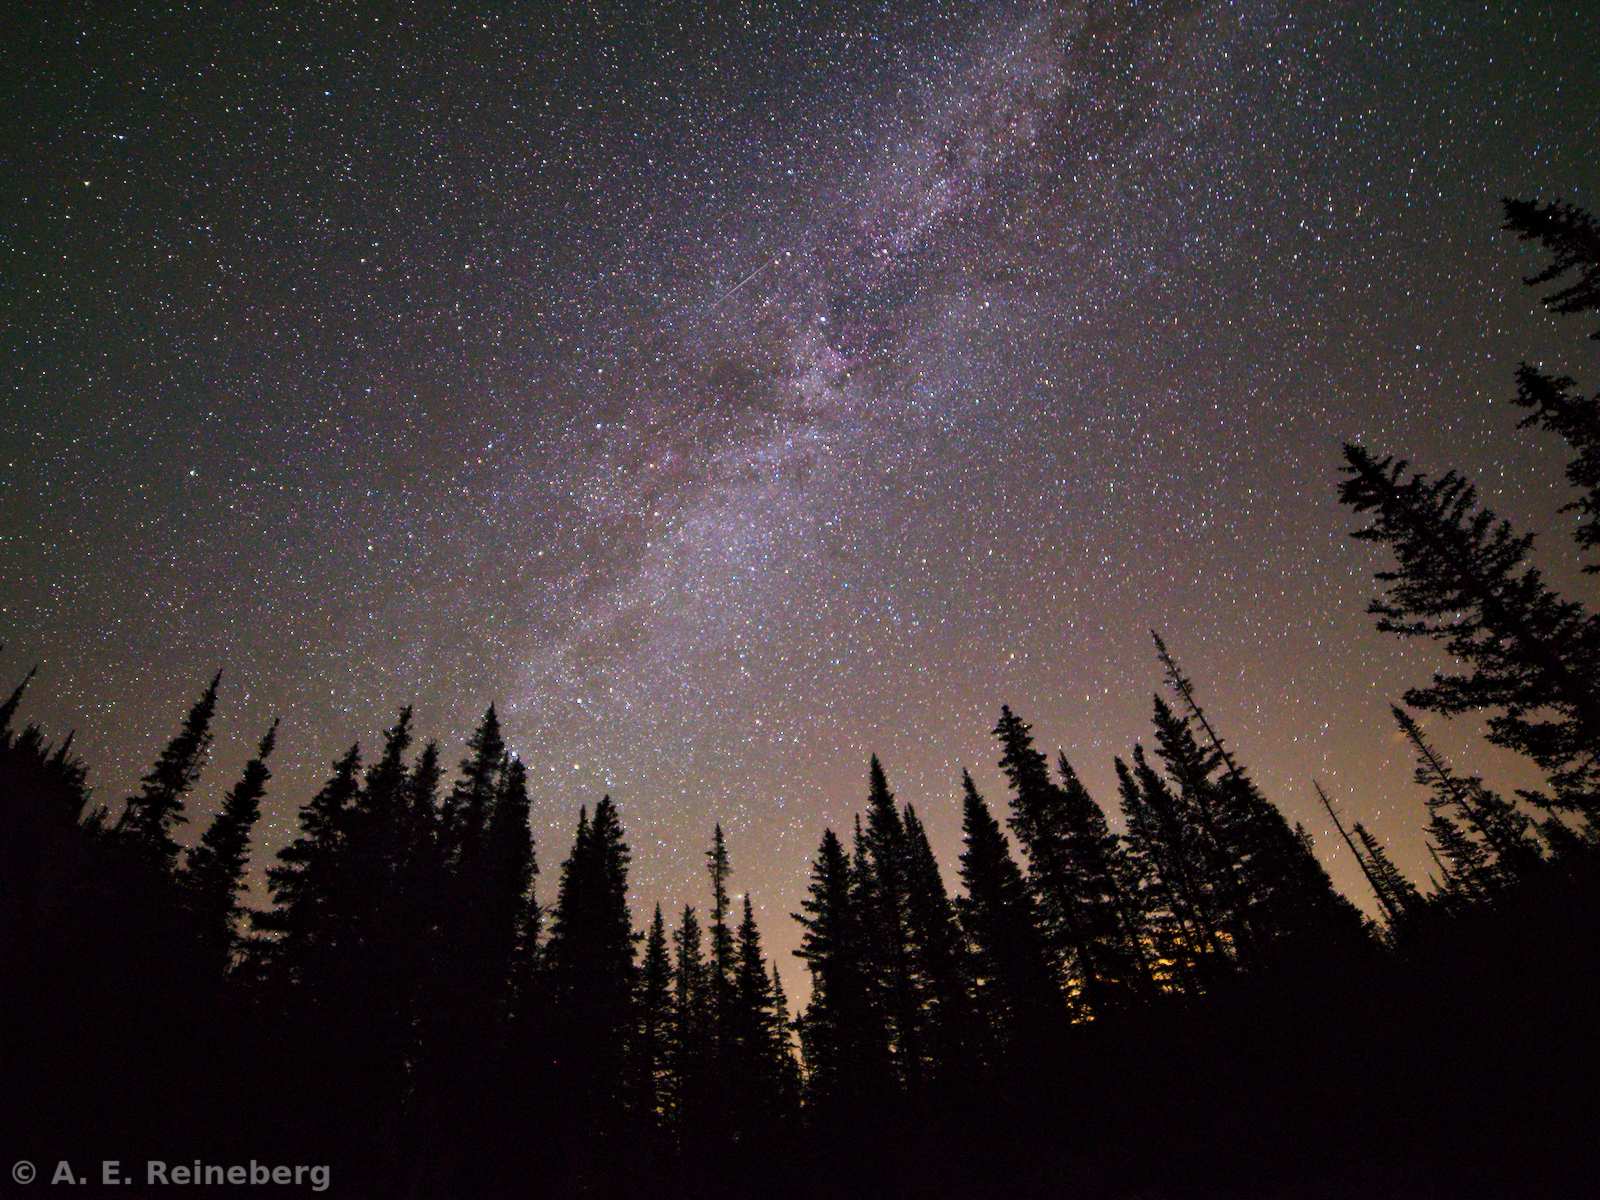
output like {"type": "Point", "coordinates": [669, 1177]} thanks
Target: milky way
{"type": "Point", "coordinates": [727, 397]}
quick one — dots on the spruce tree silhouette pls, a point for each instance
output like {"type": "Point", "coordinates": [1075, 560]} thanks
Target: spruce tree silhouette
{"type": "Point", "coordinates": [1465, 862]}
{"type": "Point", "coordinates": [1069, 874]}
{"type": "Point", "coordinates": [755, 1098]}
{"type": "Point", "coordinates": [881, 866]}
{"type": "Point", "coordinates": [789, 1084]}
{"type": "Point", "coordinates": [842, 1030]}
{"type": "Point", "coordinates": [1288, 893]}
{"type": "Point", "coordinates": [1015, 987]}
{"type": "Point", "coordinates": [652, 1041]}
{"type": "Point", "coordinates": [1380, 890]}
{"type": "Point", "coordinates": [214, 869]}
{"type": "Point", "coordinates": [306, 882]}
{"type": "Point", "coordinates": [721, 964]}
{"type": "Point", "coordinates": [1171, 864]}
{"type": "Point", "coordinates": [940, 959]}
{"type": "Point", "coordinates": [1398, 893]}
{"type": "Point", "coordinates": [1576, 419]}
{"type": "Point", "coordinates": [1462, 578]}
{"type": "Point", "coordinates": [149, 818]}
{"type": "Point", "coordinates": [692, 1088]}
{"type": "Point", "coordinates": [8, 707]}
{"type": "Point", "coordinates": [1572, 238]}
{"type": "Point", "coordinates": [591, 957]}
{"type": "Point", "coordinates": [1506, 832]}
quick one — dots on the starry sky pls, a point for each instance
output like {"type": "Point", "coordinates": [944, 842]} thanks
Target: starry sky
{"type": "Point", "coordinates": [727, 392]}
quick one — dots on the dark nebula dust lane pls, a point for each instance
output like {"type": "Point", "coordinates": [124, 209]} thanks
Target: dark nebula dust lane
{"type": "Point", "coordinates": [727, 398]}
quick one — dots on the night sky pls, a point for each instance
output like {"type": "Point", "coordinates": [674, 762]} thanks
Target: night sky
{"type": "Point", "coordinates": [729, 396]}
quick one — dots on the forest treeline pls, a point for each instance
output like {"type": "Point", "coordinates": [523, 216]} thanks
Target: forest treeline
{"type": "Point", "coordinates": [1187, 1006]}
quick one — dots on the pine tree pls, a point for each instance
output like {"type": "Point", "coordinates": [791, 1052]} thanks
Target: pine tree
{"type": "Point", "coordinates": [1109, 910]}
{"type": "Point", "coordinates": [1397, 892]}
{"type": "Point", "coordinates": [418, 924]}
{"type": "Point", "coordinates": [1531, 659]}
{"type": "Point", "coordinates": [305, 881]}
{"type": "Point", "coordinates": [691, 1084]}
{"type": "Point", "coordinates": [591, 952]}
{"type": "Point", "coordinates": [1391, 907]}
{"type": "Point", "coordinates": [507, 879]}
{"type": "Point", "coordinates": [466, 810]}
{"type": "Point", "coordinates": [1563, 843]}
{"type": "Point", "coordinates": [653, 1035]}
{"type": "Point", "coordinates": [1576, 419]}
{"type": "Point", "coordinates": [214, 870]}
{"type": "Point", "coordinates": [1504, 830]}
{"type": "Point", "coordinates": [8, 708]}
{"type": "Point", "coordinates": [1013, 982]}
{"type": "Point", "coordinates": [383, 791]}
{"type": "Point", "coordinates": [722, 949]}
{"type": "Point", "coordinates": [1469, 875]}
{"type": "Point", "coordinates": [939, 958]}
{"type": "Point", "coordinates": [1210, 828]}
{"type": "Point", "coordinates": [317, 963]}
{"type": "Point", "coordinates": [881, 866]}
{"type": "Point", "coordinates": [789, 1084]}
{"type": "Point", "coordinates": [420, 870]}
{"type": "Point", "coordinates": [1285, 891]}
{"type": "Point", "coordinates": [755, 1070]}
{"type": "Point", "coordinates": [1572, 236]}
{"type": "Point", "coordinates": [1069, 850]}
{"type": "Point", "coordinates": [842, 1031]}
{"type": "Point", "coordinates": [149, 818]}
{"type": "Point", "coordinates": [1174, 865]}
{"type": "Point", "coordinates": [376, 829]}
{"type": "Point", "coordinates": [422, 799]}
{"type": "Point", "coordinates": [482, 881]}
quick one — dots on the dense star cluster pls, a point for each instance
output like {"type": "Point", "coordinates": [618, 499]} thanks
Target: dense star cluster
{"type": "Point", "coordinates": [730, 395]}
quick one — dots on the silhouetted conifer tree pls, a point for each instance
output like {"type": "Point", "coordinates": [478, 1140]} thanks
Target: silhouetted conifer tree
{"type": "Point", "coordinates": [1284, 889]}
{"type": "Point", "coordinates": [1575, 418]}
{"type": "Point", "coordinates": [1063, 833]}
{"type": "Point", "coordinates": [653, 1036]}
{"type": "Point", "coordinates": [1572, 237]}
{"type": "Point", "coordinates": [1466, 865]}
{"type": "Point", "coordinates": [1504, 830]}
{"type": "Point", "coordinates": [1389, 903]}
{"type": "Point", "coordinates": [1398, 893]}
{"type": "Point", "coordinates": [940, 959]}
{"type": "Point", "coordinates": [882, 905]}
{"type": "Point", "coordinates": [692, 1085]}
{"type": "Point", "coordinates": [214, 870]}
{"type": "Point", "coordinates": [842, 1031]}
{"type": "Point", "coordinates": [591, 953]}
{"type": "Point", "coordinates": [789, 1084]}
{"type": "Point", "coordinates": [508, 871]}
{"type": "Point", "coordinates": [421, 866]}
{"type": "Point", "coordinates": [1014, 985]}
{"type": "Point", "coordinates": [305, 883]}
{"type": "Point", "coordinates": [1175, 865]}
{"type": "Point", "coordinates": [1202, 805]}
{"type": "Point", "coordinates": [8, 708]}
{"type": "Point", "coordinates": [422, 801]}
{"type": "Point", "coordinates": [466, 810]}
{"type": "Point", "coordinates": [721, 964]}
{"type": "Point", "coordinates": [149, 818]}
{"type": "Point", "coordinates": [754, 1066]}
{"type": "Point", "coordinates": [369, 994]}
{"type": "Point", "coordinates": [376, 836]}
{"type": "Point", "coordinates": [1531, 658]}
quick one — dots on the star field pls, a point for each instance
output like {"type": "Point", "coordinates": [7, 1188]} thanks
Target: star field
{"type": "Point", "coordinates": [728, 395]}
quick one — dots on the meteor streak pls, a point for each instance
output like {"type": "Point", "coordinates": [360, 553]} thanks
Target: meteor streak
{"type": "Point", "coordinates": [736, 288]}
